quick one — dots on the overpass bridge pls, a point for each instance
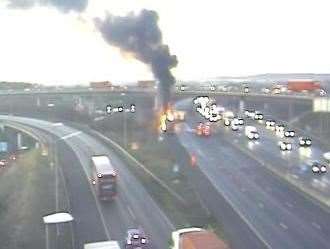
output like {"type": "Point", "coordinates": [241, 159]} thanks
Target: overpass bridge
{"type": "Point", "coordinates": [92, 101]}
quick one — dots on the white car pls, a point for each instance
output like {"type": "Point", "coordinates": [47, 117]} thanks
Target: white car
{"type": "Point", "coordinates": [289, 133]}
{"type": "Point", "coordinates": [318, 167]}
{"type": "Point", "coordinates": [305, 142]}
{"type": "Point", "coordinates": [279, 128]}
{"type": "Point", "coordinates": [285, 146]}
{"type": "Point", "coordinates": [258, 116]}
{"type": "Point", "coordinates": [234, 127]}
{"type": "Point", "coordinates": [251, 132]}
{"type": "Point", "coordinates": [270, 124]}
{"type": "Point", "coordinates": [265, 90]}
{"type": "Point", "coordinates": [246, 89]}
{"type": "Point", "coordinates": [250, 113]}
{"type": "Point", "coordinates": [238, 121]}
{"type": "Point", "coordinates": [212, 88]}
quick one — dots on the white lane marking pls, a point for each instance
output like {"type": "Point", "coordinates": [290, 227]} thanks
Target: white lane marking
{"type": "Point", "coordinates": [131, 212]}
{"type": "Point", "coordinates": [316, 225]}
{"type": "Point", "coordinates": [295, 176]}
{"type": "Point", "coordinates": [57, 124]}
{"type": "Point", "coordinates": [289, 204]}
{"type": "Point", "coordinates": [261, 205]}
{"type": "Point", "coordinates": [71, 135]}
{"type": "Point", "coordinates": [283, 226]}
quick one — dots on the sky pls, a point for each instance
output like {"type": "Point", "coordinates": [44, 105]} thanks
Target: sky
{"type": "Point", "coordinates": [210, 38]}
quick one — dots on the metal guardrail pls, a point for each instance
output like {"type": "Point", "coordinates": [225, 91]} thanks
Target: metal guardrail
{"type": "Point", "coordinates": [154, 91]}
{"type": "Point", "coordinates": [121, 151]}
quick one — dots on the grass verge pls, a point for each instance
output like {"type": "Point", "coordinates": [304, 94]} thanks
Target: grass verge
{"type": "Point", "coordinates": [27, 194]}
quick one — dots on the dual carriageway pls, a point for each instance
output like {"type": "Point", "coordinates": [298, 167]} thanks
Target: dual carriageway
{"type": "Point", "coordinates": [272, 213]}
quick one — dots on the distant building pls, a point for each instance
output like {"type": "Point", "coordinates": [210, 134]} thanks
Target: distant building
{"type": "Point", "coordinates": [146, 83]}
{"type": "Point", "coordinates": [101, 84]}
{"type": "Point", "coordinates": [15, 85]}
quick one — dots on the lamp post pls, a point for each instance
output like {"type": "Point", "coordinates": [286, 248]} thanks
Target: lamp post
{"type": "Point", "coordinates": [56, 218]}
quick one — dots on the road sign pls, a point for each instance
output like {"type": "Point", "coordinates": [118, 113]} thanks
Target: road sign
{"type": "Point", "coordinates": [3, 146]}
{"type": "Point", "coordinates": [321, 104]}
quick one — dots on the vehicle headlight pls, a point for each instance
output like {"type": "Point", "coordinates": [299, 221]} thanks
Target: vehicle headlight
{"type": "Point", "coordinates": [256, 136]}
{"type": "Point", "coordinates": [302, 142]}
{"type": "Point", "coordinates": [129, 242]}
{"type": "Point", "coordinates": [308, 142]}
{"type": "Point", "coordinates": [143, 241]}
{"type": "Point", "coordinates": [292, 134]}
{"type": "Point", "coordinates": [289, 146]}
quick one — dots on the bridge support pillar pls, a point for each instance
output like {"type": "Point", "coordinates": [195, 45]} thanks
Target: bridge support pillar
{"type": "Point", "coordinates": [19, 140]}
{"type": "Point", "coordinates": [38, 102]}
{"type": "Point", "coordinates": [241, 106]}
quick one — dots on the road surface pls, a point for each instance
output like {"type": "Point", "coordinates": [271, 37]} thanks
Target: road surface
{"type": "Point", "coordinates": [282, 217]}
{"type": "Point", "coordinates": [95, 220]}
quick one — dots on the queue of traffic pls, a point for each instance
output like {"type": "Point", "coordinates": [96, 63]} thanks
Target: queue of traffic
{"type": "Point", "coordinates": [213, 113]}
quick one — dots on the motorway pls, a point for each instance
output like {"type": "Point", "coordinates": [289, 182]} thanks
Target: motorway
{"type": "Point", "coordinates": [281, 217]}
{"type": "Point", "coordinates": [292, 164]}
{"type": "Point", "coordinates": [94, 220]}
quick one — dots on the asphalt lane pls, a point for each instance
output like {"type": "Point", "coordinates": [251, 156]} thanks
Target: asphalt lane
{"type": "Point", "coordinates": [282, 217]}
{"type": "Point", "coordinates": [133, 207]}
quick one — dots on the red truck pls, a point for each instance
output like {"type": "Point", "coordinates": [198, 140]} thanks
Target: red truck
{"type": "Point", "coordinates": [303, 85]}
{"type": "Point", "coordinates": [104, 177]}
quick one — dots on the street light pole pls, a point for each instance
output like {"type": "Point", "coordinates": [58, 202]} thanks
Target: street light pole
{"type": "Point", "coordinates": [56, 182]}
{"type": "Point", "coordinates": [55, 218]}
{"type": "Point", "coordinates": [47, 236]}
{"type": "Point", "coordinates": [125, 129]}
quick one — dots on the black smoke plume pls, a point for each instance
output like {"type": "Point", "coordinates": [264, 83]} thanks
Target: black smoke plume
{"type": "Point", "coordinates": [140, 35]}
{"type": "Point", "coordinates": [63, 5]}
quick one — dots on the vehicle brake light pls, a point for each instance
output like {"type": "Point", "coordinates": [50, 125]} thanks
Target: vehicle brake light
{"type": "Point", "coordinates": [193, 160]}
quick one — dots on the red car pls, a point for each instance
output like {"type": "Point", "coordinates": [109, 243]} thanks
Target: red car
{"type": "Point", "coordinates": [203, 129]}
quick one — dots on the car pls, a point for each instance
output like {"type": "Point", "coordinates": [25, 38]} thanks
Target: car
{"type": "Point", "coordinates": [179, 116]}
{"type": "Point", "coordinates": [234, 127]}
{"type": "Point", "coordinates": [203, 129]}
{"type": "Point", "coordinates": [289, 133]}
{"type": "Point", "coordinates": [318, 167]}
{"type": "Point", "coordinates": [136, 239]}
{"type": "Point", "coordinates": [251, 133]}
{"type": "Point", "coordinates": [258, 116]}
{"type": "Point", "coordinates": [305, 142]}
{"type": "Point", "coordinates": [246, 89]}
{"type": "Point", "coordinates": [265, 90]}
{"type": "Point", "coordinates": [276, 90]}
{"type": "Point", "coordinates": [182, 87]}
{"type": "Point", "coordinates": [270, 124]}
{"type": "Point", "coordinates": [285, 146]}
{"type": "Point", "coordinates": [226, 122]}
{"type": "Point", "coordinates": [3, 163]}
{"type": "Point", "coordinates": [238, 121]}
{"type": "Point", "coordinates": [279, 128]}
{"type": "Point", "coordinates": [249, 113]}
